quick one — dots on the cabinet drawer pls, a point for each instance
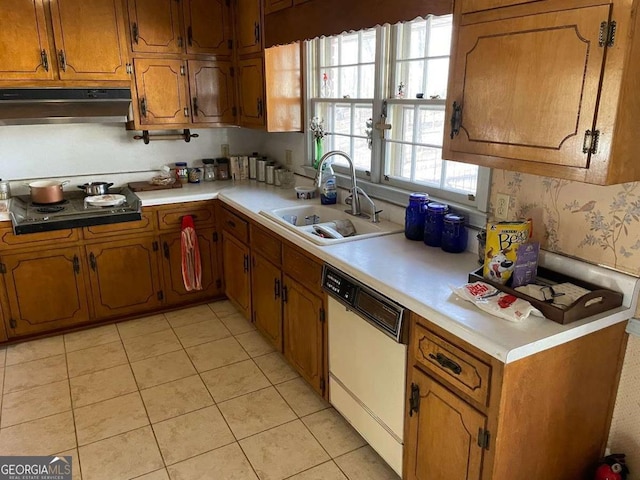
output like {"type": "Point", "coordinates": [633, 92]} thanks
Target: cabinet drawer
{"type": "Point", "coordinates": [171, 218]}
{"type": "Point", "coordinates": [145, 225]}
{"type": "Point", "coordinates": [235, 225]}
{"type": "Point", "coordinates": [10, 241]}
{"type": "Point", "coordinates": [451, 364]}
{"type": "Point", "coordinates": [302, 268]}
{"type": "Point", "coordinates": [265, 244]}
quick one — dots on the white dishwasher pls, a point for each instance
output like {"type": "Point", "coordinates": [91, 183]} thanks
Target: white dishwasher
{"type": "Point", "coordinates": [367, 362]}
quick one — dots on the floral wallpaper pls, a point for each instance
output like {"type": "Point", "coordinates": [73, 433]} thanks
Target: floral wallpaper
{"type": "Point", "coordinates": [600, 225]}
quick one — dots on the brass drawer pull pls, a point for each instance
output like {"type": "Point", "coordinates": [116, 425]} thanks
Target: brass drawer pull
{"type": "Point", "coordinates": [446, 362]}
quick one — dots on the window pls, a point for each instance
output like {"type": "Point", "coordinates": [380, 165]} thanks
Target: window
{"type": "Point", "coordinates": [391, 79]}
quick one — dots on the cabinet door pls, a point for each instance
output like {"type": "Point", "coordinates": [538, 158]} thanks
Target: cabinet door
{"type": "Point", "coordinates": [442, 441]}
{"type": "Point", "coordinates": [236, 273]}
{"type": "Point", "coordinates": [172, 267]}
{"type": "Point", "coordinates": [528, 87]}
{"type": "Point", "coordinates": [162, 91]}
{"type": "Point", "coordinates": [25, 44]}
{"type": "Point", "coordinates": [248, 27]}
{"type": "Point", "coordinates": [208, 24]}
{"type": "Point", "coordinates": [271, 6]}
{"type": "Point", "coordinates": [155, 26]}
{"type": "Point", "coordinates": [212, 91]}
{"type": "Point", "coordinates": [124, 276]}
{"type": "Point", "coordinates": [303, 332]}
{"type": "Point", "coordinates": [90, 39]}
{"type": "Point", "coordinates": [478, 5]}
{"type": "Point", "coordinates": [266, 292]}
{"type": "Point", "coordinates": [251, 91]}
{"type": "Point", "coordinates": [46, 290]}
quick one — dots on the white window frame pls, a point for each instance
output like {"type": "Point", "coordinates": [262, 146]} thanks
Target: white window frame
{"type": "Point", "coordinates": [394, 190]}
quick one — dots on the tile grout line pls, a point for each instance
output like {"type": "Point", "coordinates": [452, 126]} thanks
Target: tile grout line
{"type": "Point", "coordinates": [143, 404]}
{"type": "Point", "coordinates": [73, 412]}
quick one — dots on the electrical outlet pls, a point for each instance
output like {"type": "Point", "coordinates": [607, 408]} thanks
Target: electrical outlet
{"type": "Point", "coordinates": [225, 149]}
{"type": "Point", "coordinates": [287, 158]}
{"type": "Point", "coordinates": [502, 206]}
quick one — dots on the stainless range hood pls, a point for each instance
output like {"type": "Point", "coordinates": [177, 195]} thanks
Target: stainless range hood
{"type": "Point", "coordinates": [33, 106]}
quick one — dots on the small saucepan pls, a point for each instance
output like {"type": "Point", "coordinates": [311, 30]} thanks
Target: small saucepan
{"type": "Point", "coordinates": [96, 188]}
{"type": "Point", "coordinates": [47, 191]}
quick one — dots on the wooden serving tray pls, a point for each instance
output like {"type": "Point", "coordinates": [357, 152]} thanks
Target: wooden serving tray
{"type": "Point", "coordinates": [608, 299]}
{"type": "Point", "coordinates": [146, 186]}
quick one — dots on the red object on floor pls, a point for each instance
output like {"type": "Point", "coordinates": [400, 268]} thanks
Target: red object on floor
{"type": "Point", "coordinates": [191, 263]}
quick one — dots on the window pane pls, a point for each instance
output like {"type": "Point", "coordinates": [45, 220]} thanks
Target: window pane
{"type": "Point", "coordinates": [437, 75]}
{"type": "Point", "coordinates": [342, 119]}
{"type": "Point", "coordinates": [461, 176]}
{"type": "Point", "coordinates": [430, 129]}
{"type": "Point", "coordinates": [440, 36]}
{"type": "Point", "coordinates": [428, 165]}
{"type": "Point", "coordinates": [362, 114]}
{"type": "Point", "coordinates": [367, 81]}
{"type": "Point", "coordinates": [368, 46]}
{"type": "Point", "coordinates": [349, 49]}
{"type": "Point", "coordinates": [406, 131]}
{"type": "Point", "coordinates": [361, 154]}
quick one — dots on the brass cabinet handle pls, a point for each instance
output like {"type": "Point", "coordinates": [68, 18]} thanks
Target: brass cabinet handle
{"type": "Point", "coordinates": [93, 262]}
{"type": "Point", "coordinates": [76, 264]}
{"type": "Point", "coordinates": [63, 60]}
{"type": "Point", "coordinates": [456, 119]}
{"type": "Point", "coordinates": [276, 288]}
{"type": "Point", "coordinates": [143, 107]}
{"type": "Point", "coordinates": [446, 362]}
{"type": "Point", "coordinates": [45, 60]}
{"type": "Point", "coordinates": [134, 32]}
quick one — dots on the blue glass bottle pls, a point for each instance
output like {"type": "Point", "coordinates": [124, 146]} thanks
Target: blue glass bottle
{"type": "Point", "coordinates": [454, 234]}
{"type": "Point", "coordinates": [434, 223]}
{"type": "Point", "coordinates": [414, 216]}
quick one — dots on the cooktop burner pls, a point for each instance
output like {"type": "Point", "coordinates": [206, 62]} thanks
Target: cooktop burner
{"type": "Point", "coordinates": [29, 217]}
{"type": "Point", "coordinates": [53, 208]}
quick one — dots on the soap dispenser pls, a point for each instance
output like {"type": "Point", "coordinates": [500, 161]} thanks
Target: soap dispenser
{"type": "Point", "coordinates": [328, 188]}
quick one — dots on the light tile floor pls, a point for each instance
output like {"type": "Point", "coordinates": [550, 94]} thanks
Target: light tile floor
{"type": "Point", "coordinates": [188, 395]}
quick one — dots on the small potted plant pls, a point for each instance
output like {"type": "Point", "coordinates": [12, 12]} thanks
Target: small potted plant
{"type": "Point", "coordinates": [317, 130]}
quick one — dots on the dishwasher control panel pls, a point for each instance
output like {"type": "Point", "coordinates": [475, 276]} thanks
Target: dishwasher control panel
{"type": "Point", "coordinates": [377, 309]}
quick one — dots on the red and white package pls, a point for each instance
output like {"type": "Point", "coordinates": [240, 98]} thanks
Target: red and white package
{"type": "Point", "coordinates": [495, 302]}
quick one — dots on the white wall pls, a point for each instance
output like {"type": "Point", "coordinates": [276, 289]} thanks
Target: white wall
{"type": "Point", "coordinates": [45, 151]}
{"type": "Point", "coordinates": [243, 141]}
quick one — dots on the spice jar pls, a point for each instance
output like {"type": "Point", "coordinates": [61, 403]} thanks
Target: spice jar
{"type": "Point", "coordinates": [223, 168]}
{"type": "Point", "coordinates": [182, 173]}
{"type": "Point", "coordinates": [5, 190]}
{"type": "Point", "coordinates": [454, 234]}
{"type": "Point", "coordinates": [434, 223]}
{"type": "Point", "coordinates": [414, 216]}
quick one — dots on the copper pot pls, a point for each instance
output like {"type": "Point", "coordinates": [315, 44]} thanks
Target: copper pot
{"type": "Point", "coordinates": [47, 191]}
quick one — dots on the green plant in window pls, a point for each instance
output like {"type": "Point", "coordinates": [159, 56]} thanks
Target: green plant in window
{"type": "Point", "coordinates": [317, 130]}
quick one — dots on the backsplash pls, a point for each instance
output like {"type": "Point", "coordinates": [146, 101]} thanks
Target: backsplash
{"type": "Point", "coordinates": [600, 225]}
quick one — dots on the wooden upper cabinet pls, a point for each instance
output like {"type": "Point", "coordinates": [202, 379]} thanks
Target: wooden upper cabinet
{"type": "Point", "coordinates": [155, 26]}
{"type": "Point", "coordinates": [283, 88]}
{"type": "Point", "coordinates": [271, 6]}
{"type": "Point", "coordinates": [162, 91]}
{"type": "Point", "coordinates": [248, 27]}
{"type": "Point", "coordinates": [251, 91]}
{"type": "Point", "coordinates": [479, 5]}
{"type": "Point", "coordinates": [90, 39]}
{"type": "Point", "coordinates": [528, 87]}
{"type": "Point", "coordinates": [26, 52]}
{"type": "Point", "coordinates": [212, 91]}
{"type": "Point", "coordinates": [208, 26]}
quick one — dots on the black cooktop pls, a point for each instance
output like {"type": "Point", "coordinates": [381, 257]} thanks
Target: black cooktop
{"type": "Point", "coordinates": [73, 211]}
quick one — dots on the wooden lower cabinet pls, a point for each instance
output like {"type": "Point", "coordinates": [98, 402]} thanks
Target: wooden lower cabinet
{"type": "Point", "coordinates": [266, 293]}
{"type": "Point", "coordinates": [304, 332]}
{"type": "Point", "coordinates": [124, 276]}
{"type": "Point", "coordinates": [174, 291]}
{"type": "Point", "coordinates": [46, 290]}
{"type": "Point", "coordinates": [470, 416]}
{"type": "Point", "coordinates": [445, 432]}
{"type": "Point", "coordinates": [236, 273]}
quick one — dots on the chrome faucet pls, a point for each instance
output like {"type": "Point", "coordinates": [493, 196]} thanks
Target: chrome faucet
{"type": "Point", "coordinates": [355, 203]}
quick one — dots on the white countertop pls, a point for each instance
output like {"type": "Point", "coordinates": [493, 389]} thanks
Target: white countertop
{"type": "Point", "coordinates": [417, 276]}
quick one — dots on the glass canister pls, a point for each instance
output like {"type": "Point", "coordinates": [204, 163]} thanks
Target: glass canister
{"type": "Point", "coordinates": [209, 170]}
{"type": "Point", "coordinates": [222, 170]}
{"type": "Point", "coordinates": [195, 175]}
{"type": "Point", "coordinates": [454, 234]}
{"type": "Point", "coordinates": [182, 173]}
{"type": "Point", "coordinates": [434, 223]}
{"type": "Point", "coordinates": [414, 216]}
{"type": "Point", "coordinates": [5, 190]}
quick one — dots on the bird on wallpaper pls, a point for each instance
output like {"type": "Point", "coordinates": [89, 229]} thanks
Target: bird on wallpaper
{"type": "Point", "coordinates": [587, 207]}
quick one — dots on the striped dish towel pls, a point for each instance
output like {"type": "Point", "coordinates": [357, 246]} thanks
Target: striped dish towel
{"type": "Point", "coordinates": [191, 264]}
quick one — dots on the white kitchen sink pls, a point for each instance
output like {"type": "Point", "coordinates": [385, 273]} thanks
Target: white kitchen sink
{"type": "Point", "coordinates": [326, 216]}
